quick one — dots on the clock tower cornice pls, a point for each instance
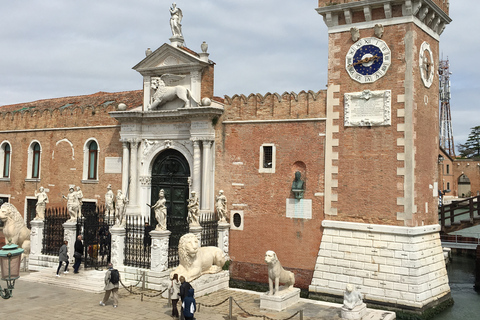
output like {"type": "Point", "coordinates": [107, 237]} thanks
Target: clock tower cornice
{"type": "Point", "coordinates": [360, 14]}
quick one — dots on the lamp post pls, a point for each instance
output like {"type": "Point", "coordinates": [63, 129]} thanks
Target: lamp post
{"type": "Point", "coordinates": [10, 259]}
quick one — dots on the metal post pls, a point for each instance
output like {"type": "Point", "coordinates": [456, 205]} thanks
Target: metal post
{"type": "Point", "coordinates": [143, 280]}
{"type": "Point", "coordinates": [301, 314]}
{"type": "Point", "coordinates": [230, 300]}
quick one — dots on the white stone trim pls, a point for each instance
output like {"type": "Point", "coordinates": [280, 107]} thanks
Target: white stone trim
{"type": "Point", "coordinates": [261, 169]}
{"type": "Point", "coordinates": [330, 142]}
{"type": "Point", "coordinates": [86, 157]}
{"type": "Point", "coordinates": [273, 121]}
{"type": "Point", "coordinates": [30, 160]}
{"type": "Point", "coordinates": [2, 160]}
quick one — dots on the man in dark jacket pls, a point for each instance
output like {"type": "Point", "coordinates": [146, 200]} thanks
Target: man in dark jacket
{"type": "Point", "coordinates": [78, 253]}
{"type": "Point", "coordinates": [184, 288]}
{"type": "Point", "coordinates": [189, 305]}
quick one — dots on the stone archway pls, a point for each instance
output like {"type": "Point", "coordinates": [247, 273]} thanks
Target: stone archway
{"type": "Point", "coordinates": [464, 188]}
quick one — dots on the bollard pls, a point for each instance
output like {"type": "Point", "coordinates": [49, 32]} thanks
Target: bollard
{"type": "Point", "coordinates": [143, 280]}
{"type": "Point", "coordinates": [141, 299]}
{"type": "Point", "coordinates": [230, 300]}
{"type": "Point", "coordinates": [301, 314]}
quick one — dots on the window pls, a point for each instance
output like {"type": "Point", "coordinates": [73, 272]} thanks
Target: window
{"type": "Point", "coordinates": [92, 160]}
{"type": "Point", "coordinates": [5, 158]}
{"type": "Point", "coordinates": [448, 185]}
{"type": "Point", "coordinates": [448, 169]}
{"type": "Point", "coordinates": [267, 158]}
{"type": "Point", "coordinates": [34, 160]}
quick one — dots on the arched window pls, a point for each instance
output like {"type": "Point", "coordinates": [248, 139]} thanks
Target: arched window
{"type": "Point", "coordinates": [36, 160]}
{"type": "Point", "coordinates": [92, 160]}
{"type": "Point", "coordinates": [5, 160]}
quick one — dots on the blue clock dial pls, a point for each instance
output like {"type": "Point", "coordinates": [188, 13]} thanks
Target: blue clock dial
{"type": "Point", "coordinates": [368, 59]}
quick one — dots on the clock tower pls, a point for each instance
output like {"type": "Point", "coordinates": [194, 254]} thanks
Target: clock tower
{"type": "Point", "coordinates": [380, 231]}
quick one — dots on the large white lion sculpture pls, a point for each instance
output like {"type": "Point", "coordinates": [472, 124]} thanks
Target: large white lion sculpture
{"type": "Point", "coordinates": [15, 229]}
{"type": "Point", "coordinates": [276, 273]}
{"type": "Point", "coordinates": [196, 260]}
{"type": "Point", "coordinates": [164, 93]}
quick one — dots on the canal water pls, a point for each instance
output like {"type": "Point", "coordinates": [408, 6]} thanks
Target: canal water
{"type": "Point", "coordinates": [461, 276]}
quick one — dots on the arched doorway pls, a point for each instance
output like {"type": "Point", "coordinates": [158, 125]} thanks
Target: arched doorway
{"type": "Point", "coordinates": [464, 186]}
{"type": "Point", "coordinates": [170, 172]}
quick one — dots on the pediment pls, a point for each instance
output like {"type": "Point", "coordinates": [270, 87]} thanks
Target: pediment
{"type": "Point", "coordinates": [169, 59]}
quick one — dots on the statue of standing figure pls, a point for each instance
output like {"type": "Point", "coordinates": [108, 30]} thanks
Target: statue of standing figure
{"type": "Point", "coordinates": [109, 210]}
{"type": "Point", "coordinates": [175, 20]}
{"type": "Point", "coordinates": [42, 200]}
{"type": "Point", "coordinates": [221, 206]}
{"type": "Point", "coordinates": [72, 204]}
{"type": "Point", "coordinates": [160, 208]}
{"type": "Point", "coordinates": [193, 210]}
{"type": "Point", "coordinates": [80, 201]}
{"type": "Point", "coordinates": [120, 202]}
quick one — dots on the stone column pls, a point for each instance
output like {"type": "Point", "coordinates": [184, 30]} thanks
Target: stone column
{"type": "Point", "coordinates": [70, 235]}
{"type": "Point", "coordinates": [118, 246]}
{"type": "Point", "coordinates": [197, 231]}
{"type": "Point", "coordinates": [159, 252]}
{"type": "Point", "coordinates": [223, 237]}
{"type": "Point", "coordinates": [125, 166]}
{"type": "Point", "coordinates": [205, 198]}
{"type": "Point", "coordinates": [133, 174]}
{"type": "Point", "coordinates": [197, 160]}
{"type": "Point", "coordinates": [36, 237]}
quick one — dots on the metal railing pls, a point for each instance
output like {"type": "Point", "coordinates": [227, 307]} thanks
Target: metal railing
{"type": "Point", "coordinates": [53, 230]}
{"type": "Point", "coordinates": [137, 242]}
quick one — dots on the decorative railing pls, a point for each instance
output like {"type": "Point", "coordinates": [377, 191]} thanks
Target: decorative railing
{"type": "Point", "coordinates": [53, 230]}
{"type": "Point", "coordinates": [137, 242]}
{"type": "Point", "coordinates": [209, 224]}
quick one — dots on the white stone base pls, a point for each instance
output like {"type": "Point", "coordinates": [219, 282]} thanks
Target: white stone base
{"type": "Point", "coordinates": [402, 266]}
{"type": "Point", "coordinates": [356, 313]}
{"type": "Point", "coordinates": [285, 298]}
{"type": "Point", "coordinates": [209, 283]}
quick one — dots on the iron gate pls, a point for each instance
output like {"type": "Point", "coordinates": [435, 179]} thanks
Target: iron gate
{"type": "Point", "coordinates": [53, 230]}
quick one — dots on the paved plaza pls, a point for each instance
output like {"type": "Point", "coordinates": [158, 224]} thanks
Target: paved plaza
{"type": "Point", "coordinates": [40, 300]}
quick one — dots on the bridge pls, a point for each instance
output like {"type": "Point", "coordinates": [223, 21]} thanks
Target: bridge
{"type": "Point", "coordinates": [459, 214]}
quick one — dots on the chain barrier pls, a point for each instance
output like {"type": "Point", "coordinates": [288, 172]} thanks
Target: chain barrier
{"type": "Point", "coordinates": [129, 289]}
{"type": "Point", "coordinates": [212, 305]}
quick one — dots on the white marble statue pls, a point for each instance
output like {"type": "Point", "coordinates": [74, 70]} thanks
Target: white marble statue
{"type": "Point", "coordinates": [176, 20]}
{"type": "Point", "coordinates": [80, 201]}
{"type": "Point", "coordinates": [193, 210]}
{"type": "Point", "coordinates": [109, 209]}
{"type": "Point", "coordinates": [196, 260]}
{"type": "Point", "coordinates": [276, 274]}
{"type": "Point", "coordinates": [355, 33]}
{"type": "Point", "coordinates": [14, 229]}
{"type": "Point", "coordinates": [221, 206]}
{"type": "Point", "coordinates": [72, 204]}
{"type": "Point", "coordinates": [120, 202]}
{"type": "Point", "coordinates": [351, 298]}
{"type": "Point", "coordinates": [160, 208]}
{"type": "Point", "coordinates": [164, 91]}
{"type": "Point", "coordinates": [42, 200]}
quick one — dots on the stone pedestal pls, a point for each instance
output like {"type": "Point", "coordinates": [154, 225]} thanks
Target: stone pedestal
{"type": "Point", "coordinates": [209, 283]}
{"type": "Point", "coordinates": [70, 235]}
{"type": "Point", "coordinates": [197, 231]}
{"type": "Point", "coordinates": [356, 313]}
{"type": "Point", "coordinates": [159, 252]}
{"type": "Point", "coordinates": [284, 299]}
{"type": "Point", "coordinates": [36, 237]}
{"type": "Point", "coordinates": [223, 236]}
{"type": "Point", "coordinates": [118, 246]}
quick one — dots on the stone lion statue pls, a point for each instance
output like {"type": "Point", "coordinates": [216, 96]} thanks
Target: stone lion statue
{"type": "Point", "coordinates": [196, 260]}
{"type": "Point", "coordinates": [276, 273]}
{"type": "Point", "coordinates": [15, 229]}
{"type": "Point", "coordinates": [164, 93]}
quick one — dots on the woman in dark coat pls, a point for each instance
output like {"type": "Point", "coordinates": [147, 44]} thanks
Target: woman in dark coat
{"type": "Point", "coordinates": [189, 305]}
{"type": "Point", "coordinates": [63, 257]}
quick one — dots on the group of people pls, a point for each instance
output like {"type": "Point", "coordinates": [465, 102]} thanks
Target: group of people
{"type": "Point", "coordinates": [64, 258]}
{"type": "Point", "coordinates": [182, 290]}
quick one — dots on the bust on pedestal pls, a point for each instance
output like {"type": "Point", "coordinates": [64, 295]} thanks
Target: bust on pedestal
{"type": "Point", "coordinates": [353, 306]}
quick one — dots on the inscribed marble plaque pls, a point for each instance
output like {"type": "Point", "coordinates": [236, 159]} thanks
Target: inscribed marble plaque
{"type": "Point", "coordinates": [299, 208]}
{"type": "Point", "coordinates": [113, 164]}
{"type": "Point", "coordinates": [368, 108]}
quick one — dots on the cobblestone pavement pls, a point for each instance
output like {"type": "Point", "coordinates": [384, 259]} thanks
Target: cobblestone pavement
{"type": "Point", "coordinates": [40, 301]}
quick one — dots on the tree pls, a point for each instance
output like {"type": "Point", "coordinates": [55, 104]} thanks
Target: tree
{"type": "Point", "coordinates": [471, 148]}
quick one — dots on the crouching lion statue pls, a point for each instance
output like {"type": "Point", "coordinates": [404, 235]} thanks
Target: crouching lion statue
{"type": "Point", "coordinates": [15, 229]}
{"type": "Point", "coordinates": [277, 274]}
{"type": "Point", "coordinates": [196, 260]}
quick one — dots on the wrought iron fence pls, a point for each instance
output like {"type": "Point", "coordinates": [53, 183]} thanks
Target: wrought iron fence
{"type": "Point", "coordinates": [177, 227]}
{"type": "Point", "coordinates": [209, 224]}
{"type": "Point", "coordinates": [53, 230]}
{"type": "Point", "coordinates": [137, 242]}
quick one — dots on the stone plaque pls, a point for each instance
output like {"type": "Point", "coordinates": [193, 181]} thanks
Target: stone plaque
{"type": "Point", "coordinates": [299, 208]}
{"type": "Point", "coordinates": [113, 164]}
{"type": "Point", "coordinates": [368, 108]}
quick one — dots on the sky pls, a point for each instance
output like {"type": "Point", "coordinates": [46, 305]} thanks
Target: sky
{"type": "Point", "coordinates": [61, 48]}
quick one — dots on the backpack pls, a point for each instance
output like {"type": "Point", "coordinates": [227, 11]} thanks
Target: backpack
{"type": "Point", "coordinates": [114, 276]}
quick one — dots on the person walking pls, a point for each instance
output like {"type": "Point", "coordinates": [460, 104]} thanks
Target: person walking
{"type": "Point", "coordinates": [112, 280]}
{"type": "Point", "coordinates": [63, 257]}
{"type": "Point", "coordinates": [174, 289]}
{"type": "Point", "coordinates": [78, 253]}
{"type": "Point", "coordinates": [189, 305]}
{"type": "Point", "coordinates": [184, 287]}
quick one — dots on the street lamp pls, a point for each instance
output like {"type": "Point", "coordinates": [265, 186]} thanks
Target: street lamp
{"type": "Point", "coordinates": [10, 259]}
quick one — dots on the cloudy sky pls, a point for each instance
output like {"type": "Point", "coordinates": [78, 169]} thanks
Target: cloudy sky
{"type": "Point", "coordinates": [61, 48]}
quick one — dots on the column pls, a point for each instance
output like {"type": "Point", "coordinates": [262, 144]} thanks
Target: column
{"type": "Point", "coordinates": [70, 235]}
{"type": "Point", "coordinates": [205, 199]}
{"type": "Point", "coordinates": [159, 258]}
{"type": "Point", "coordinates": [36, 238]}
{"type": "Point", "coordinates": [133, 173]}
{"type": "Point", "coordinates": [223, 237]}
{"type": "Point", "coordinates": [125, 166]}
{"type": "Point", "coordinates": [197, 160]}
{"type": "Point", "coordinates": [118, 246]}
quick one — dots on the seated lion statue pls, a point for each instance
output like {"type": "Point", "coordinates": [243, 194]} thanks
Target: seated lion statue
{"type": "Point", "coordinates": [276, 274]}
{"type": "Point", "coordinates": [196, 260]}
{"type": "Point", "coordinates": [15, 229]}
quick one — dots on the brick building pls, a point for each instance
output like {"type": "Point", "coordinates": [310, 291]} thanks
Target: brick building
{"type": "Point", "coordinates": [366, 148]}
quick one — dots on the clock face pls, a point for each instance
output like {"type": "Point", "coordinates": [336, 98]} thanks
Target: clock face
{"type": "Point", "coordinates": [425, 61]}
{"type": "Point", "coordinates": [368, 60]}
